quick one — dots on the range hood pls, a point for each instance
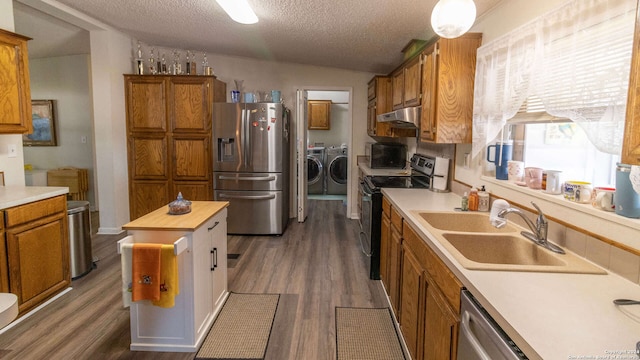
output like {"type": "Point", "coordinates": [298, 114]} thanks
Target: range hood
{"type": "Point", "coordinates": [407, 118]}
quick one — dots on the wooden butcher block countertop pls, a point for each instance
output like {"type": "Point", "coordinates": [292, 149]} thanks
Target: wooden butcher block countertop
{"type": "Point", "coordinates": [160, 219]}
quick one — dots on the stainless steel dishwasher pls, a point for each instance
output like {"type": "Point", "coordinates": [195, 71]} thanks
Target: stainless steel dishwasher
{"type": "Point", "coordinates": [480, 338]}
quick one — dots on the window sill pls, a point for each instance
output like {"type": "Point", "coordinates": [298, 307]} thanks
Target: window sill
{"type": "Point", "coordinates": [560, 208]}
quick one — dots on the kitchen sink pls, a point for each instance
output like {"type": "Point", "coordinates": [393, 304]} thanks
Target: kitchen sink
{"type": "Point", "coordinates": [502, 249]}
{"type": "Point", "coordinates": [477, 245]}
{"type": "Point", "coordinates": [464, 221]}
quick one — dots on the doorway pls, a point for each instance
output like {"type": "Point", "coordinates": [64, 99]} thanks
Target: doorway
{"type": "Point", "coordinates": [324, 149]}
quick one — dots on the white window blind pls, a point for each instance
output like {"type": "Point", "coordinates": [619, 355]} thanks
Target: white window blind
{"type": "Point", "coordinates": [573, 61]}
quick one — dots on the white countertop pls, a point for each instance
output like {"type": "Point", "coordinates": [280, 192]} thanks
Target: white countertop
{"type": "Point", "coordinates": [549, 315]}
{"type": "Point", "coordinates": [11, 196]}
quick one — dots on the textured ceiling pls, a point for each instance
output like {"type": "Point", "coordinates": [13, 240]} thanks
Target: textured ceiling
{"type": "Point", "coordinates": [364, 35]}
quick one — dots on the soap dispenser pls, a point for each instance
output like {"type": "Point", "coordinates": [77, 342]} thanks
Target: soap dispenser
{"type": "Point", "coordinates": [483, 200]}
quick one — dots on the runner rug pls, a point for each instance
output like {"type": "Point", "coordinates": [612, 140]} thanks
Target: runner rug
{"type": "Point", "coordinates": [242, 329]}
{"type": "Point", "coordinates": [364, 333]}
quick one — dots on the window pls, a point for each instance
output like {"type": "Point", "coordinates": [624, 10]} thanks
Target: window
{"type": "Point", "coordinates": [564, 146]}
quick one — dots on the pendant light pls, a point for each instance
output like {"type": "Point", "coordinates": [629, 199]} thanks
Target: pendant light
{"type": "Point", "coordinates": [239, 10]}
{"type": "Point", "coordinates": [452, 18]}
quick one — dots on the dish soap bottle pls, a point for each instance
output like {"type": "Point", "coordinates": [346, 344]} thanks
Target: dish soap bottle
{"type": "Point", "coordinates": [464, 206]}
{"type": "Point", "coordinates": [473, 199]}
{"type": "Point", "coordinates": [483, 199]}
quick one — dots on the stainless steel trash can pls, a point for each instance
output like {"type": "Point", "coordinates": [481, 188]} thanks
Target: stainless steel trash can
{"type": "Point", "coordinates": [79, 238]}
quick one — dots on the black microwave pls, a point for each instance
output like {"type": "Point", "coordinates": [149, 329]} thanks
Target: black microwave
{"type": "Point", "coordinates": [386, 155]}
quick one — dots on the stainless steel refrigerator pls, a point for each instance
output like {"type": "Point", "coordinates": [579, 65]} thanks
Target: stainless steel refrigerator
{"type": "Point", "coordinates": [251, 165]}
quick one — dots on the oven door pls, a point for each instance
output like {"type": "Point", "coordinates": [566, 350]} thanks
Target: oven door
{"type": "Point", "coordinates": [365, 219]}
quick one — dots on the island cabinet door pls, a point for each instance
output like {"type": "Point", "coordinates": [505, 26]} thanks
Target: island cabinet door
{"type": "Point", "coordinates": [217, 229]}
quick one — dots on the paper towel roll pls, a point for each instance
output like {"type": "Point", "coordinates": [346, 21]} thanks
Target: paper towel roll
{"type": "Point", "coordinates": [441, 174]}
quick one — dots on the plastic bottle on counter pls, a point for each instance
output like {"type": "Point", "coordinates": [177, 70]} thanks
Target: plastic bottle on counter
{"type": "Point", "coordinates": [464, 206]}
{"type": "Point", "coordinates": [473, 199]}
{"type": "Point", "coordinates": [483, 199]}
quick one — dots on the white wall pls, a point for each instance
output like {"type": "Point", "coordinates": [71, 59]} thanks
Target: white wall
{"type": "Point", "coordinates": [65, 79]}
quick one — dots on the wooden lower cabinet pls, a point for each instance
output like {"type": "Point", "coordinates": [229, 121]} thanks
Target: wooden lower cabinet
{"type": "Point", "coordinates": [395, 271]}
{"type": "Point", "coordinates": [440, 326]}
{"type": "Point", "coordinates": [424, 294]}
{"type": "Point", "coordinates": [37, 251]}
{"type": "Point", "coordinates": [385, 240]}
{"type": "Point", "coordinates": [411, 297]}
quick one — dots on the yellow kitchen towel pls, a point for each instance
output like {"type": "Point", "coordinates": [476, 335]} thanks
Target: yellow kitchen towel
{"type": "Point", "coordinates": [168, 278]}
{"type": "Point", "coordinates": [126, 251]}
{"type": "Point", "coordinates": [145, 269]}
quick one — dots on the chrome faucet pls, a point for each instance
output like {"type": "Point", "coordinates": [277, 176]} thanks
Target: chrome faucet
{"type": "Point", "coordinates": [538, 232]}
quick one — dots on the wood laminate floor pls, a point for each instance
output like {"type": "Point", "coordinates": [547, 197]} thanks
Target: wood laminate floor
{"type": "Point", "coordinates": [315, 265]}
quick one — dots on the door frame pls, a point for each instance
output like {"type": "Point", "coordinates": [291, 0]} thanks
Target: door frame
{"type": "Point", "coordinates": [301, 122]}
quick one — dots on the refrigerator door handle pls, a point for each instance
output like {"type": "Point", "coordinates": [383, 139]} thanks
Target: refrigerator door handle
{"type": "Point", "coordinates": [254, 178]}
{"type": "Point", "coordinates": [247, 197]}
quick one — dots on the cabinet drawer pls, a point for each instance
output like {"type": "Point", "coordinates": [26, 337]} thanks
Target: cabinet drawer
{"type": "Point", "coordinates": [396, 219]}
{"type": "Point", "coordinates": [386, 206]}
{"type": "Point", "coordinates": [35, 210]}
{"type": "Point", "coordinates": [446, 281]}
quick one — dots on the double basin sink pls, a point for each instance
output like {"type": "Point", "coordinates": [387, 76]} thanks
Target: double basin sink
{"type": "Point", "coordinates": [477, 245]}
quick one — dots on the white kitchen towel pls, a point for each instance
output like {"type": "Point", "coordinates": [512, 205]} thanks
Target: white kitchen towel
{"type": "Point", "coordinates": [441, 173]}
{"type": "Point", "coordinates": [126, 251]}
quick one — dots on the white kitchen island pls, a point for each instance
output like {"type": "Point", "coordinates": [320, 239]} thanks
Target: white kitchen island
{"type": "Point", "coordinates": [202, 269]}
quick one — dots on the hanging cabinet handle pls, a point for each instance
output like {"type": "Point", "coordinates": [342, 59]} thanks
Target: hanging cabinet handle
{"type": "Point", "coordinates": [214, 259]}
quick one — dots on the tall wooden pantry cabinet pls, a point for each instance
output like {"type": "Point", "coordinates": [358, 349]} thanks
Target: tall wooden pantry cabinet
{"type": "Point", "coordinates": [169, 138]}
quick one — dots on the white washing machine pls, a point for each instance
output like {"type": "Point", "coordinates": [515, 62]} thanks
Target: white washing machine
{"type": "Point", "coordinates": [337, 170]}
{"type": "Point", "coordinates": [315, 170]}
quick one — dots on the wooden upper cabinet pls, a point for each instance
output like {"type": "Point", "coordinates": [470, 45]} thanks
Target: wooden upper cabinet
{"type": "Point", "coordinates": [397, 84]}
{"type": "Point", "coordinates": [191, 103]}
{"type": "Point", "coordinates": [146, 104]}
{"type": "Point", "coordinates": [412, 82]}
{"type": "Point", "coordinates": [15, 92]}
{"type": "Point", "coordinates": [631, 141]}
{"type": "Point", "coordinates": [319, 114]}
{"type": "Point", "coordinates": [447, 89]}
{"type": "Point", "coordinates": [407, 84]}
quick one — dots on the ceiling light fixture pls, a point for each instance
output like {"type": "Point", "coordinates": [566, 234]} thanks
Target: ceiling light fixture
{"type": "Point", "coordinates": [452, 18]}
{"type": "Point", "coordinates": [239, 10]}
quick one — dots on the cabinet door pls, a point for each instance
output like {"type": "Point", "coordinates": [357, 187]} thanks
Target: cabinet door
{"type": "Point", "coordinates": [193, 190]}
{"type": "Point", "coordinates": [428, 114]}
{"type": "Point", "coordinates": [218, 235]}
{"type": "Point", "coordinates": [385, 242]}
{"type": "Point", "coordinates": [371, 118]}
{"type": "Point", "coordinates": [15, 92]}
{"type": "Point", "coordinates": [190, 104]}
{"type": "Point", "coordinates": [38, 260]}
{"type": "Point", "coordinates": [441, 327]}
{"type": "Point", "coordinates": [191, 158]}
{"type": "Point", "coordinates": [148, 157]}
{"type": "Point", "coordinates": [395, 261]}
{"type": "Point", "coordinates": [412, 82]}
{"type": "Point", "coordinates": [147, 196]}
{"type": "Point", "coordinates": [411, 301]}
{"type": "Point", "coordinates": [397, 85]}
{"type": "Point", "coordinates": [146, 103]}
{"type": "Point", "coordinates": [319, 112]}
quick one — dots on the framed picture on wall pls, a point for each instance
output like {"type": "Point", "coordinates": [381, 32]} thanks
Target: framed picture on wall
{"type": "Point", "coordinates": [44, 124]}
